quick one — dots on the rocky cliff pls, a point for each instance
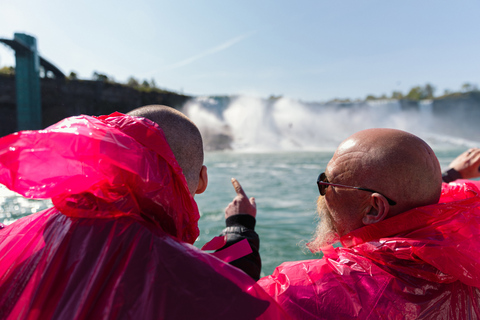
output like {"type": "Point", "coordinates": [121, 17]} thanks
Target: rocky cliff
{"type": "Point", "coordinates": [64, 98]}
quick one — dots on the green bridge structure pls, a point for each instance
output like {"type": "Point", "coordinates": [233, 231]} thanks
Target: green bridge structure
{"type": "Point", "coordinates": [27, 80]}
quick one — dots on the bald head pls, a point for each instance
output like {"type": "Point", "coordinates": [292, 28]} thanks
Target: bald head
{"type": "Point", "coordinates": [396, 163]}
{"type": "Point", "coordinates": [183, 137]}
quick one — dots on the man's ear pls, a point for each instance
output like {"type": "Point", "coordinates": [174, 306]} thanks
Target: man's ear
{"type": "Point", "coordinates": [202, 181]}
{"type": "Point", "coordinates": [379, 208]}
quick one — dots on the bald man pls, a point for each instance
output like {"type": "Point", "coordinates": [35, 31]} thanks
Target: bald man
{"type": "Point", "coordinates": [409, 246]}
{"type": "Point", "coordinates": [117, 243]}
{"type": "Point", "coordinates": [185, 140]}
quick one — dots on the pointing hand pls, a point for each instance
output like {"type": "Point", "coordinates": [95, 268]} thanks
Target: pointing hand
{"type": "Point", "coordinates": [241, 204]}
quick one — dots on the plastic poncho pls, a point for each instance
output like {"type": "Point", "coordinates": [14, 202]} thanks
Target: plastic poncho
{"type": "Point", "coordinates": [421, 264]}
{"type": "Point", "coordinates": [116, 244]}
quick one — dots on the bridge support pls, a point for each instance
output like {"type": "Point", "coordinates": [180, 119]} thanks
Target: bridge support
{"type": "Point", "coordinates": [27, 80]}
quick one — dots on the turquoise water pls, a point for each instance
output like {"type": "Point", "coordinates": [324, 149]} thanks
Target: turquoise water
{"type": "Point", "coordinates": [283, 183]}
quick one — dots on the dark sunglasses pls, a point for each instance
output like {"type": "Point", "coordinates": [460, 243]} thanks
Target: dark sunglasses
{"type": "Point", "coordinates": [322, 183]}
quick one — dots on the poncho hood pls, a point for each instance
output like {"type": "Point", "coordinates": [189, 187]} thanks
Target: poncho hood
{"type": "Point", "coordinates": [102, 167]}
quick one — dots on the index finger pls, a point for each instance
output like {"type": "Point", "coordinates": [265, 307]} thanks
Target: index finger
{"type": "Point", "coordinates": [238, 187]}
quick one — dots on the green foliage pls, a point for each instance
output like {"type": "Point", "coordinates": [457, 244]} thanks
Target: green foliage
{"type": "Point", "coordinates": [429, 90]}
{"type": "Point", "coordinates": [419, 93]}
{"type": "Point", "coordinates": [415, 93]}
{"type": "Point", "coordinates": [468, 87]}
{"type": "Point", "coordinates": [372, 97]}
{"type": "Point", "coordinates": [397, 95]}
{"type": "Point", "coordinates": [145, 84]}
{"type": "Point", "coordinates": [9, 71]}
{"type": "Point", "coordinates": [72, 76]}
{"type": "Point", "coordinates": [339, 100]}
{"type": "Point", "coordinates": [132, 82]}
{"type": "Point", "coordinates": [100, 77]}
{"type": "Point", "coordinates": [274, 97]}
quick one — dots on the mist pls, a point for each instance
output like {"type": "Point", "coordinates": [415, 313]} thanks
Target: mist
{"type": "Point", "coordinates": [263, 125]}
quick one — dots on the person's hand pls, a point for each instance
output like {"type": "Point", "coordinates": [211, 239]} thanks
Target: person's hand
{"type": "Point", "coordinates": [467, 164]}
{"type": "Point", "coordinates": [240, 204]}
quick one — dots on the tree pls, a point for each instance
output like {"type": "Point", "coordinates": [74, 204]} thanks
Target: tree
{"type": "Point", "coordinates": [428, 91]}
{"type": "Point", "coordinates": [397, 95]}
{"type": "Point", "coordinates": [10, 71]}
{"type": "Point", "coordinates": [153, 84]}
{"type": "Point", "coordinates": [420, 93]}
{"type": "Point", "coordinates": [99, 77]}
{"type": "Point", "coordinates": [466, 87]}
{"type": "Point", "coordinates": [274, 97]}
{"type": "Point", "coordinates": [132, 82]}
{"type": "Point", "coordinates": [73, 76]}
{"type": "Point", "coordinates": [145, 84]}
{"type": "Point", "coordinates": [415, 93]}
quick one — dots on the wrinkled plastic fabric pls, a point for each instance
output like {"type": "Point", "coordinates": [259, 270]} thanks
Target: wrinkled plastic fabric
{"type": "Point", "coordinates": [109, 166]}
{"type": "Point", "coordinates": [422, 264]}
{"type": "Point", "coordinates": [114, 244]}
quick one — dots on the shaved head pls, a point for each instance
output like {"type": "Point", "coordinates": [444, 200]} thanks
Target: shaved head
{"type": "Point", "coordinates": [183, 137]}
{"type": "Point", "coordinates": [396, 164]}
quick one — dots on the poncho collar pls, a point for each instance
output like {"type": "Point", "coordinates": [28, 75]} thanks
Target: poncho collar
{"type": "Point", "coordinates": [416, 218]}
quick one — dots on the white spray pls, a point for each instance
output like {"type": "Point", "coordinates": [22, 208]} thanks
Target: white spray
{"type": "Point", "coordinates": [254, 124]}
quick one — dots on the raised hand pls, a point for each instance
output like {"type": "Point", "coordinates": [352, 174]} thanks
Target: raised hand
{"type": "Point", "coordinates": [468, 163]}
{"type": "Point", "coordinates": [241, 204]}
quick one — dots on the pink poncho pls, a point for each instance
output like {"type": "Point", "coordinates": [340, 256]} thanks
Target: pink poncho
{"type": "Point", "coordinates": [422, 264]}
{"type": "Point", "coordinates": [116, 244]}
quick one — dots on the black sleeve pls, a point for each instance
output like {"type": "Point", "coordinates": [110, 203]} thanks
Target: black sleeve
{"type": "Point", "coordinates": [241, 227]}
{"type": "Point", "coordinates": [451, 175]}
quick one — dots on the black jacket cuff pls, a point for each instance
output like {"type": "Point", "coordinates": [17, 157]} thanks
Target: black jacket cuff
{"type": "Point", "coordinates": [451, 175]}
{"type": "Point", "coordinates": [244, 220]}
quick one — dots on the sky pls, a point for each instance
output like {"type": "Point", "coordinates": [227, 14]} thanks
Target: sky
{"type": "Point", "coordinates": [304, 49]}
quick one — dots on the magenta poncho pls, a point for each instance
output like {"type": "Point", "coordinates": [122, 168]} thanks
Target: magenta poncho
{"type": "Point", "coordinates": [115, 245]}
{"type": "Point", "coordinates": [422, 264]}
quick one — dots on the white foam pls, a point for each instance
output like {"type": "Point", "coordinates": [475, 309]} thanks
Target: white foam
{"type": "Point", "coordinates": [260, 125]}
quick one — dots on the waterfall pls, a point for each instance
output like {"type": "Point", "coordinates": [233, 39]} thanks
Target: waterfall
{"type": "Point", "coordinates": [253, 124]}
